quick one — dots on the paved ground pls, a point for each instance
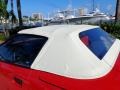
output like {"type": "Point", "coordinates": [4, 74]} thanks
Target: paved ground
{"type": "Point", "coordinates": [1, 42]}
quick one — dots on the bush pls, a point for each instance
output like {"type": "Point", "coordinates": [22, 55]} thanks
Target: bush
{"type": "Point", "coordinates": [2, 37]}
{"type": "Point", "coordinates": [112, 28]}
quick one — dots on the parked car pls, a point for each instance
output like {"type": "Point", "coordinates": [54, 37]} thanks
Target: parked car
{"type": "Point", "coordinates": [60, 57]}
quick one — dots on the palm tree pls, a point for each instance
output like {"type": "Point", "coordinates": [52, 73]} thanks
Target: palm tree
{"type": "Point", "coordinates": [4, 15]}
{"type": "Point", "coordinates": [3, 9]}
{"type": "Point", "coordinates": [19, 13]}
{"type": "Point", "coordinates": [6, 2]}
{"type": "Point", "coordinates": [117, 15]}
{"type": "Point", "coordinates": [13, 17]}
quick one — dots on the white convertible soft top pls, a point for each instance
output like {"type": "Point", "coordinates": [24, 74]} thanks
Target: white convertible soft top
{"type": "Point", "coordinates": [65, 54]}
{"type": "Point", "coordinates": [49, 31]}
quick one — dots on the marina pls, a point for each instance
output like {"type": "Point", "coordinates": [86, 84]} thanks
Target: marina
{"type": "Point", "coordinates": [68, 15]}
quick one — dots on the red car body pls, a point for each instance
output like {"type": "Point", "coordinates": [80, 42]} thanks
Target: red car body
{"type": "Point", "coordinates": [25, 79]}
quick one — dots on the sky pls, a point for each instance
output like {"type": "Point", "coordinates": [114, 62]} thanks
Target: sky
{"type": "Point", "coordinates": [48, 6]}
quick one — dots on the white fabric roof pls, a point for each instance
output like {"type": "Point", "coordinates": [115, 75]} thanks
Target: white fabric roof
{"type": "Point", "coordinates": [50, 30]}
{"type": "Point", "coordinates": [65, 54]}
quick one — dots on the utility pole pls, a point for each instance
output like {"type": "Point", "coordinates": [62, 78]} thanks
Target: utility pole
{"type": "Point", "coordinates": [117, 15]}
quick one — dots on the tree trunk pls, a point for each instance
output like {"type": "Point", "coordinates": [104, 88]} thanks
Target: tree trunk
{"type": "Point", "coordinates": [117, 15]}
{"type": "Point", "coordinates": [12, 11]}
{"type": "Point", "coordinates": [6, 33]}
{"type": "Point", "coordinates": [12, 6]}
{"type": "Point", "coordinates": [19, 13]}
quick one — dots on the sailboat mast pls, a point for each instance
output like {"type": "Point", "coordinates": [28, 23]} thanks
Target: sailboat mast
{"type": "Point", "coordinates": [93, 5]}
{"type": "Point", "coordinates": [70, 4]}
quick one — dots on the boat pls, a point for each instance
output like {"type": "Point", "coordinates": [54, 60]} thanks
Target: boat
{"type": "Point", "coordinates": [79, 15]}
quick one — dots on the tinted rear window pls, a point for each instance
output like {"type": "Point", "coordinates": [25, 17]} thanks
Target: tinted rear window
{"type": "Point", "coordinates": [97, 40]}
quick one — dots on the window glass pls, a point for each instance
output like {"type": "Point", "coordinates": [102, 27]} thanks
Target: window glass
{"type": "Point", "coordinates": [97, 40]}
{"type": "Point", "coordinates": [22, 49]}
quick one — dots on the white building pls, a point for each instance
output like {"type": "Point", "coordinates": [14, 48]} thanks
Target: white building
{"type": "Point", "coordinates": [37, 16]}
{"type": "Point", "coordinates": [82, 11]}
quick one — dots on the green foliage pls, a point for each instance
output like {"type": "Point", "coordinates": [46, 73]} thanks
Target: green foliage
{"type": "Point", "coordinates": [112, 28]}
{"type": "Point", "coordinates": [3, 10]}
{"type": "Point", "coordinates": [2, 37]}
{"type": "Point", "coordinates": [12, 32]}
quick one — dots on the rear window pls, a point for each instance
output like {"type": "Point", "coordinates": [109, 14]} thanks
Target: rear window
{"type": "Point", "coordinates": [97, 40]}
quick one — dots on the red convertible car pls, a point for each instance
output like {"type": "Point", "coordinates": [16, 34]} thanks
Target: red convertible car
{"type": "Point", "coordinates": [60, 57]}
